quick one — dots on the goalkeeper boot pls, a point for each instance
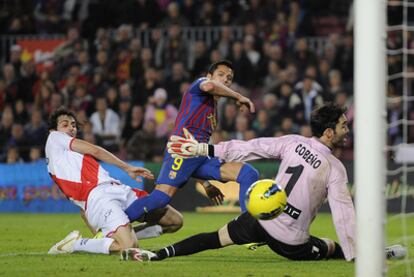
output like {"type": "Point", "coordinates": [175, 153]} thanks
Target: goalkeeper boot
{"type": "Point", "coordinates": [395, 252]}
{"type": "Point", "coordinates": [253, 245]}
{"type": "Point", "coordinates": [136, 254]}
{"type": "Point", "coordinates": [65, 246]}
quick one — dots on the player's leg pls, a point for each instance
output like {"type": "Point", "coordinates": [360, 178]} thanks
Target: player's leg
{"type": "Point", "coordinates": [109, 217]}
{"type": "Point", "coordinates": [124, 237]}
{"type": "Point", "coordinates": [166, 220]}
{"type": "Point", "coordinates": [119, 238]}
{"type": "Point", "coordinates": [244, 174]}
{"type": "Point", "coordinates": [241, 230]}
{"type": "Point", "coordinates": [314, 249]}
{"type": "Point", "coordinates": [105, 213]}
{"type": "Point", "coordinates": [172, 221]}
{"type": "Point", "coordinates": [174, 173]}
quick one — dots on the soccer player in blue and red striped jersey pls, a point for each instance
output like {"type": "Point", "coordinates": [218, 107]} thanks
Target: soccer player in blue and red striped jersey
{"type": "Point", "coordinates": [197, 114]}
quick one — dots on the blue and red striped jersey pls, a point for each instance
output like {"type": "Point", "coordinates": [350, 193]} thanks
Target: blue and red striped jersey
{"type": "Point", "coordinates": [197, 113]}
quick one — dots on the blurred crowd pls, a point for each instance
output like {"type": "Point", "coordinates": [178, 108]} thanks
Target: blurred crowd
{"type": "Point", "coordinates": [126, 94]}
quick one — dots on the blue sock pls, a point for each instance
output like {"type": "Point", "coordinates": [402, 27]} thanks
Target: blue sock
{"type": "Point", "coordinates": [157, 199]}
{"type": "Point", "coordinates": [247, 176]}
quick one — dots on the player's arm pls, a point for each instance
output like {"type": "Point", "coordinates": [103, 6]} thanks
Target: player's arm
{"type": "Point", "coordinates": [343, 212]}
{"type": "Point", "coordinates": [234, 150]}
{"type": "Point", "coordinates": [84, 147]}
{"type": "Point", "coordinates": [83, 216]}
{"type": "Point", "coordinates": [218, 89]}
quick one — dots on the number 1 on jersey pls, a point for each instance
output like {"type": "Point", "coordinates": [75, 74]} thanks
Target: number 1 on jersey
{"type": "Point", "coordinates": [296, 171]}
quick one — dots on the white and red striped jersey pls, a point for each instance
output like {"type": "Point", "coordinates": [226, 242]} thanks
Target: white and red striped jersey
{"type": "Point", "coordinates": [75, 174]}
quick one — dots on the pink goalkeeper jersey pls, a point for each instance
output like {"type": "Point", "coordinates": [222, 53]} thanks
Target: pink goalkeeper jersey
{"type": "Point", "coordinates": [309, 173]}
{"type": "Point", "coordinates": [75, 174]}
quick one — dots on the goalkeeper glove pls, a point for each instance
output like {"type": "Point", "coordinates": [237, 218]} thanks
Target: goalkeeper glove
{"type": "Point", "coordinates": [186, 147]}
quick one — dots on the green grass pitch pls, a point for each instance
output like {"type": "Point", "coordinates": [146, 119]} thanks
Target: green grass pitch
{"type": "Point", "coordinates": [25, 239]}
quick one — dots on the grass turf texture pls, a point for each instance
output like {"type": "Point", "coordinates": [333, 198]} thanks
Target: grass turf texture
{"type": "Point", "coordinates": [25, 239]}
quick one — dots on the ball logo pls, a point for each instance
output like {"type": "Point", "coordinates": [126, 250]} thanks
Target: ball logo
{"type": "Point", "coordinates": [271, 191]}
{"type": "Point", "coordinates": [265, 200]}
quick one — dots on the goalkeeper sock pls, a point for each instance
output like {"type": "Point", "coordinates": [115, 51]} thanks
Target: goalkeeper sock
{"type": "Point", "coordinates": [157, 199]}
{"type": "Point", "coordinates": [191, 245]}
{"type": "Point", "coordinates": [247, 176]}
{"type": "Point", "coordinates": [93, 245]}
{"type": "Point", "coordinates": [149, 232]}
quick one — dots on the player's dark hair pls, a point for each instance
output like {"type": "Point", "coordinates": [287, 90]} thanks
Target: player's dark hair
{"type": "Point", "coordinates": [215, 65]}
{"type": "Point", "coordinates": [325, 117]}
{"type": "Point", "coordinates": [53, 118]}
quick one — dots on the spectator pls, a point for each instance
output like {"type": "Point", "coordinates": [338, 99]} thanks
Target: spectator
{"type": "Point", "coordinates": [287, 126]}
{"type": "Point", "coordinates": [35, 154]}
{"type": "Point", "coordinates": [87, 133]}
{"type": "Point", "coordinates": [303, 55]}
{"type": "Point", "coordinates": [6, 123]}
{"type": "Point", "coordinates": [242, 128]}
{"type": "Point", "coordinates": [173, 16]}
{"type": "Point", "coordinates": [144, 89]}
{"type": "Point", "coordinates": [134, 123]}
{"type": "Point", "coordinates": [335, 86]}
{"type": "Point", "coordinates": [20, 112]}
{"type": "Point", "coordinates": [52, 16]}
{"type": "Point", "coordinates": [241, 65]}
{"type": "Point", "coordinates": [309, 92]}
{"type": "Point", "coordinates": [112, 98]}
{"type": "Point", "coordinates": [199, 59]}
{"type": "Point", "coordinates": [173, 82]}
{"type": "Point", "coordinates": [323, 73]}
{"type": "Point", "coordinates": [224, 45]}
{"type": "Point", "coordinates": [105, 125]}
{"type": "Point", "coordinates": [228, 120]}
{"type": "Point", "coordinates": [271, 80]}
{"type": "Point", "coordinates": [270, 105]}
{"type": "Point", "coordinates": [124, 108]}
{"type": "Point", "coordinates": [208, 15]}
{"type": "Point", "coordinates": [287, 99]}
{"type": "Point", "coordinates": [82, 100]}
{"type": "Point", "coordinates": [19, 140]}
{"type": "Point", "coordinates": [13, 155]}
{"type": "Point", "coordinates": [15, 58]}
{"type": "Point", "coordinates": [344, 59]}
{"type": "Point", "coordinates": [56, 101]}
{"type": "Point", "coordinates": [306, 131]}
{"type": "Point", "coordinates": [162, 113]}
{"type": "Point", "coordinates": [66, 51]}
{"type": "Point", "coordinates": [262, 125]}
{"type": "Point", "coordinates": [36, 130]}
{"type": "Point", "coordinates": [144, 144]}
{"type": "Point", "coordinates": [11, 85]}
{"type": "Point", "coordinates": [172, 48]}
{"type": "Point", "coordinates": [27, 81]}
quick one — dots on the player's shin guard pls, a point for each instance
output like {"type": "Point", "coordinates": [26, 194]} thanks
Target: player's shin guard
{"type": "Point", "coordinates": [157, 199]}
{"type": "Point", "coordinates": [190, 245]}
{"type": "Point", "coordinates": [247, 176]}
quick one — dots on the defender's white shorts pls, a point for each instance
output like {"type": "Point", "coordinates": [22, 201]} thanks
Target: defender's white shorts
{"type": "Point", "coordinates": [106, 205]}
